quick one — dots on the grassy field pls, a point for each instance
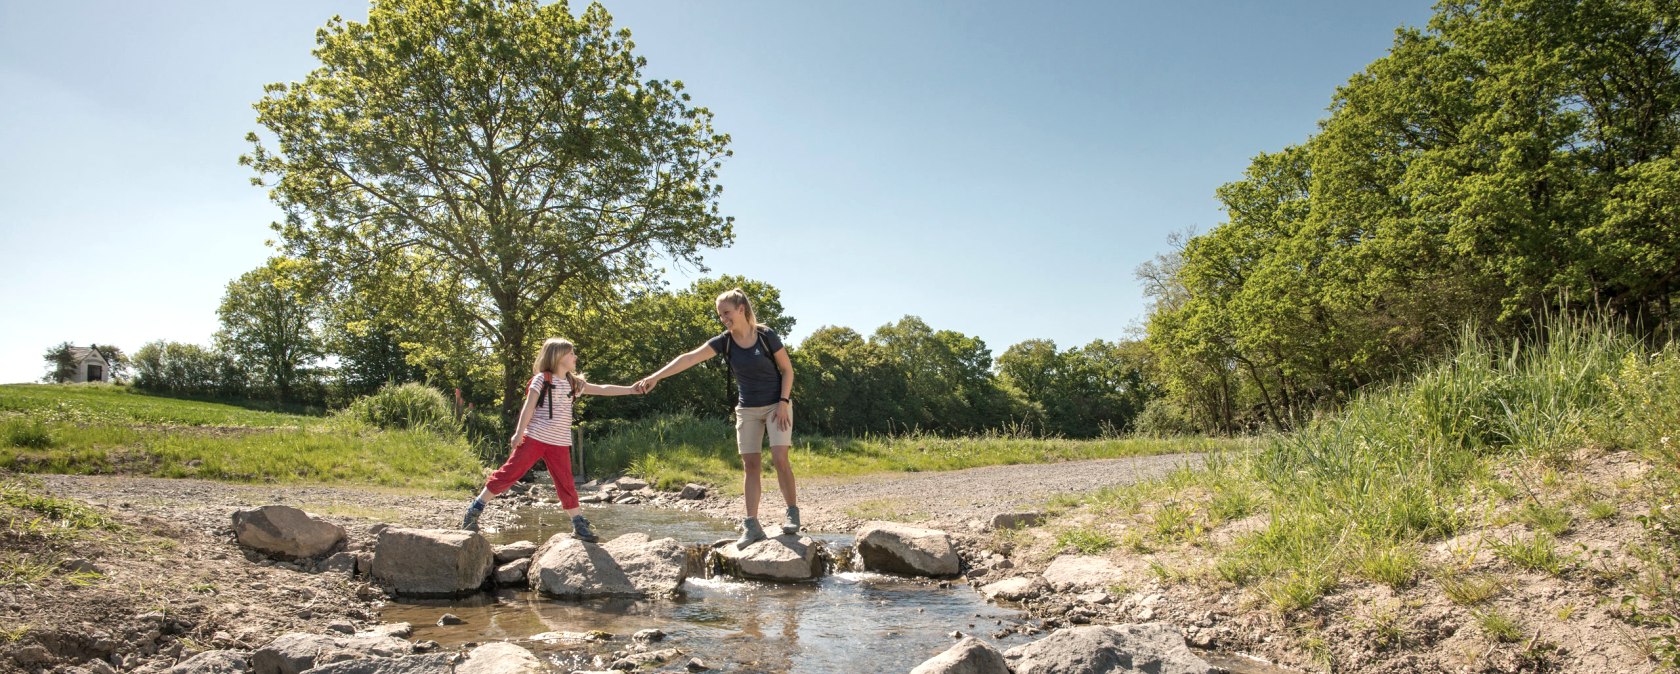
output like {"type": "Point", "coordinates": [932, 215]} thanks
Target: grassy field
{"type": "Point", "coordinates": [102, 429]}
{"type": "Point", "coordinates": [1499, 437]}
{"type": "Point", "coordinates": [101, 403]}
{"type": "Point", "coordinates": [673, 450]}
{"type": "Point", "coordinates": [99, 429]}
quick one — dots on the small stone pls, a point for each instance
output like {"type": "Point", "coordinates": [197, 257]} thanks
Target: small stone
{"type": "Point", "coordinates": [696, 665]}
{"type": "Point", "coordinates": [426, 646]}
{"type": "Point", "coordinates": [341, 627]}
{"type": "Point", "coordinates": [955, 634]}
{"type": "Point", "coordinates": [648, 636]}
{"type": "Point", "coordinates": [450, 619]}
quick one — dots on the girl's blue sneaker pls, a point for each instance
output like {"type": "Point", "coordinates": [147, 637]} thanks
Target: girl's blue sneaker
{"type": "Point", "coordinates": [580, 529]}
{"type": "Point", "coordinates": [470, 522]}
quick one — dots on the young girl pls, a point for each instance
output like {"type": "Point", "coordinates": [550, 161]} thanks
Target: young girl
{"type": "Point", "coordinates": [764, 377]}
{"type": "Point", "coordinates": [545, 432]}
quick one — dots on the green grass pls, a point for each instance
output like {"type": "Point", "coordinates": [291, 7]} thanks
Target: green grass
{"type": "Point", "coordinates": [1535, 553]}
{"type": "Point", "coordinates": [1358, 493]}
{"type": "Point", "coordinates": [1551, 519]}
{"type": "Point", "coordinates": [1498, 626]}
{"type": "Point", "coordinates": [670, 451]}
{"type": "Point", "coordinates": [1085, 540]}
{"type": "Point", "coordinates": [105, 403]}
{"type": "Point", "coordinates": [64, 515]}
{"type": "Point", "coordinates": [1471, 588]}
{"type": "Point", "coordinates": [316, 454]}
{"type": "Point", "coordinates": [112, 430]}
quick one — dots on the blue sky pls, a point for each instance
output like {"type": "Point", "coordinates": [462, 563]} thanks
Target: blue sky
{"type": "Point", "coordinates": [999, 169]}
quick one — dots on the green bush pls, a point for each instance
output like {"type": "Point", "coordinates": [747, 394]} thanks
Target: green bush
{"type": "Point", "coordinates": [405, 406]}
{"type": "Point", "coordinates": [1162, 419]}
{"type": "Point", "coordinates": [27, 433]}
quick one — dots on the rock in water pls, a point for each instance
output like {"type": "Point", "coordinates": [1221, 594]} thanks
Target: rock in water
{"type": "Point", "coordinates": [969, 656]}
{"type": "Point", "coordinates": [785, 558]}
{"type": "Point", "coordinates": [572, 569]}
{"type": "Point", "coordinates": [906, 550]}
{"type": "Point", "coordinates": [432, 562]}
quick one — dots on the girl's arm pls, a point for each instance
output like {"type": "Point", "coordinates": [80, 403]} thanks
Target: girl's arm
{"type": "Point", "coordinates": [524, 419]}
{"type": "Point", "coordinates": [607, 390]}
{"type": "Point", "coordinates": [676, 365]}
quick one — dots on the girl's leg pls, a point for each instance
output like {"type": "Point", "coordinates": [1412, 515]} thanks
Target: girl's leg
{"type": "Point", "coordinates": [517, 463]}
{"type": "Point", "coordinates": [559, 462]}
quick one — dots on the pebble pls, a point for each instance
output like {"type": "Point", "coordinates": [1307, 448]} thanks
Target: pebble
{"type": "Point", "coordinates": [450, 619]}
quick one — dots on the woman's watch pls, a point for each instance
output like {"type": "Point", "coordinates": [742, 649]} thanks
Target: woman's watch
{"type": "Point", "coordinates": [785, 400]}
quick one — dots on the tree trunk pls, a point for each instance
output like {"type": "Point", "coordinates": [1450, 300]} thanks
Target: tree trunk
{"type": "Point", "coordinates": [511, 347]}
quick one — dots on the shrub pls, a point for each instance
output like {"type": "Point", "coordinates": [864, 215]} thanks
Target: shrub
{"type": "Point", "coordinates": [405, 406]}
{"type": "Point", "coordinates": [1161, 419]}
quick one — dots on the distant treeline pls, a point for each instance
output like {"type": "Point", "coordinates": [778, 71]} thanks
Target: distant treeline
{"type": "Point", "coordinates": [906, 376]}
{"type": "Point", "coordinates": [1513, 159]}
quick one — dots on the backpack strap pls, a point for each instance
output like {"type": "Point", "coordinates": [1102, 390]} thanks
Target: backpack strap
{"type": "Point", "coordinates": [543, 394]}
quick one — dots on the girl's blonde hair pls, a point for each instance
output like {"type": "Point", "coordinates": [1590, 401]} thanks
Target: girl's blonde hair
{"type": "Point", "coordinates": [548, 360]}
{"type": "Point", "coordinates": [737, 298]}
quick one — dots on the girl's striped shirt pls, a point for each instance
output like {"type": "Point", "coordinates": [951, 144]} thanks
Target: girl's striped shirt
{"type": "Point", "coordinates": [558, 430]}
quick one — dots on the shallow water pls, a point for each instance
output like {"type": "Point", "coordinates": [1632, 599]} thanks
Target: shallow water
{"type": "Point", "coordinates": [846, 622]}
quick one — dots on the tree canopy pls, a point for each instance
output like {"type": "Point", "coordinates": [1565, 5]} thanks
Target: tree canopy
{"type": "Point", "coordinates": [510, 149]}
{"type": "Point", "coordinates": [1513, 158]}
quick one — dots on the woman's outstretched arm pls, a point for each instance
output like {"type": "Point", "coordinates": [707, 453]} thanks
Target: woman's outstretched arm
{"type": "Point", "coordinates": [678, 364]}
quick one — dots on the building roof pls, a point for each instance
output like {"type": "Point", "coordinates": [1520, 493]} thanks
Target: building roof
{"type": "Point", "coordinates": [82, 354]}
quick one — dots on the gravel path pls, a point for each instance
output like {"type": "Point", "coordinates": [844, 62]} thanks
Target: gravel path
{"type": "Point", "coordinates": [950, 498]}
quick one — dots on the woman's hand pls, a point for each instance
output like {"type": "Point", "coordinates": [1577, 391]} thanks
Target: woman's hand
{"type": "Point", "coordinates": [646, 385]}
{"type": "Point", "coordinates": [783, 415]}
{"type": "Point", "coordinates": [513, 443]}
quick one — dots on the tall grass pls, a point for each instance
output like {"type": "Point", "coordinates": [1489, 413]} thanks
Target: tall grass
{"type": "Point", "coordinates": [674, 449]}
{"type": "Point", "coordinates": [1354, 495]}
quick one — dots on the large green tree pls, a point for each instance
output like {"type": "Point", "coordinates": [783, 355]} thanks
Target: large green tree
{"type": "Point", "coordinates": [269, 321]}
{"type": "Point", "coordinates": [1514, 157]}
{"type": "Point", "coordinates": [516, 148]}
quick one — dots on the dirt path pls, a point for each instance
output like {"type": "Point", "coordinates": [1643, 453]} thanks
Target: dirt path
{"type": "Point", "coordinates": [951, 498]}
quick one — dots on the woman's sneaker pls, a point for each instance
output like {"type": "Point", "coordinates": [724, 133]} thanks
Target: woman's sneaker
{"type": "Point", "coordinates": [580, 530]}
{"type": "Point", "coordinates": [791, 526]}
{"type": "Point", "coordinates": [470, 522]}
{"type": "Point", "coordinates": [750, 533]}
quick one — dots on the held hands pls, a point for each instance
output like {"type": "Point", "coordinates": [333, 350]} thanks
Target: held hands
{"type": "Point", "coordinates": [646, 385]}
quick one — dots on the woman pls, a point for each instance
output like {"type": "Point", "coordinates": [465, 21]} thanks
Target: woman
{"type": "Point", "coordinates": [764, 377]}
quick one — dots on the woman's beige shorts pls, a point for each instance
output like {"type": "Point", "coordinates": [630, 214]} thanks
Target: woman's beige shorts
{"type": "Point", "coordinates": [751, 423]}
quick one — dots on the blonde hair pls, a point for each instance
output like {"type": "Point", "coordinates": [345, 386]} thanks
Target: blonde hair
{"type": "Point", "coordinates": [737, 298]}
{"type": "Point", "coordinates": [548, 360]}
